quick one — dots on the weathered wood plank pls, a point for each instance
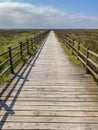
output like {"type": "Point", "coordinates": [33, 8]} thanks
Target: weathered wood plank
{"type": "Point", "coordinates": [50, 126]}
{"type": "Point", "coordinates": [51, 103]}
{"type": "Point", "coordinates": [56, 113]}
{"type": "Point", "coordinates": [55, 94]}
{"type": "Point", "coordinates": [31, 119]}
{"type": "Point", "coordinates": [56, 99]}
{"type": "Point", "coordinates": [62, 108]}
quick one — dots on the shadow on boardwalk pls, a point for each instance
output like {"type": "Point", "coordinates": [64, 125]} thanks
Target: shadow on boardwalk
{"type": "Point", "coordinates": [23, 69]}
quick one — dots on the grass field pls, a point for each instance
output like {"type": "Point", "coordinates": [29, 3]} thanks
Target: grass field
{"type": "Point", "coordinates": [13, 37]}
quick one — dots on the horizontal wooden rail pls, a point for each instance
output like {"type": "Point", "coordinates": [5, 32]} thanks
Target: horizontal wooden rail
{"type": "Point", "coordinates": [83, 54]}
{"type": "Point", "coordinates": [4, 53]}
{"type": "Point", "coordinates": [96, 55]}
{"type": "Point", "coordinates": [19, 52]}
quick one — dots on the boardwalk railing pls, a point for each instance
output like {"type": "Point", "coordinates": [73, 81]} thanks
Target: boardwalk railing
{"type": "Point", "coordinates": [85, 55]}
{"type": "Point", "coordinates": [14, 55]}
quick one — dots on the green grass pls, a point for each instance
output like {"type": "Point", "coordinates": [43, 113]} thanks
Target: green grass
{"type": "Point", "coordinates": [71, 57]}
{"type": "Point", "coordinates": [67, 51]}
{"type": "Point", "coordinates": [13, 39]}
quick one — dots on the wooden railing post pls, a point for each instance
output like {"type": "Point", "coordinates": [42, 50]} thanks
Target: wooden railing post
{"type": "Point", "coordinates": [31, 43]}
{"type": "Point", "coordinates": [78, 50]}
{"type": "Point", "coordinates": [11, 62]}
{"type": "Point", "coordinates": [27, 47]}
{"type": "Point", "coordinates": [42, 36]}
{"type": "Point", "coordinates": [21, 53]}
{"type": "Point", "coordinates": [34, 40]}
{"type": "Point", "coordinates": [73, 47]}
{"type": "Point", "coordinates": [87, 56]}
{"type": "Point", "coordinates": [68, 40]}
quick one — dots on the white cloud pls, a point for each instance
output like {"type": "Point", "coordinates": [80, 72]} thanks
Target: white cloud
{"type": "Point", "coordinates": [25, 15]}
{"type": "Point", "coordinates": [5, 0]}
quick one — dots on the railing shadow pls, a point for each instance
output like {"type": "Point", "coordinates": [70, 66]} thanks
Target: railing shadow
{"type": "Point", "coordinates": [3, 103]}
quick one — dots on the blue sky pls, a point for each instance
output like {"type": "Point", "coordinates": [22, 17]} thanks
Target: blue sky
{"type": "Point", "coordinates": [89, 7]}
{"type": "Point", "coordinates": [49, 13]}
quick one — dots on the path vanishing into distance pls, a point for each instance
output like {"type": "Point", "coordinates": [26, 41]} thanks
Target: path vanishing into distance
{"type": "Point", "coordinates": [50, 93]}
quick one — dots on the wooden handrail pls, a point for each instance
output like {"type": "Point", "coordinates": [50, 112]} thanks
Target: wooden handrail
{"type": "Point", "coordinates": [93, 53]}
{"type": "Point", "coordinates": [90, 65]}
{"type": "Point", "coordinates": [22, 49]}
{"type": "Point", "coordinates": [4, 53]}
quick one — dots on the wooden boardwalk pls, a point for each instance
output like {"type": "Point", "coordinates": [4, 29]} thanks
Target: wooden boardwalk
{"type": "Point", "coordinates": [50, 93]}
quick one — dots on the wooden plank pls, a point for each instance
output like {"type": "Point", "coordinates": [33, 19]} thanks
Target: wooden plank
{"type": "Point", "coordinates": [56, 99]}
{"type": "Point", "coordinates": [50, 93]}
{"type": "Point", "coordinates": [50, 126]}
{"type": "Point", "coordinates": [53, 89]}
{"type": "Point", "coordinates": [51, 103]}
{"type": "Point", "coordinates": [31, 119]}
{"type": "Point", "coordinates": [62, 108]}
{"type": "Point", "coordinates": [44, 95]}
{"type": "Point", "coordinates": [56, 113]}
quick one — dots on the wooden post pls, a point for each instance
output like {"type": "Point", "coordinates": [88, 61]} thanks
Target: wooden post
{"type": "Point", "coordinates": [41, 36]}
{"type": "Point", "coordinates": [11, 62]}
{"type": "Point", "coordinates": [34, 40]}
{"type": "Point", "coordinates": [31, 43]}
{"type": "Point", "coordinates": [78, 50]}
{"type": "Point", "coordinates": [73, 47]}
{"type": "Point", "coordinates": [87, 56]}
{"type": "Point", "coordinates": [21, 53]}
{"type": "Point", "coordinates": [68, 40]}
{"type": "Point", "coordinates": [27, 47]}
